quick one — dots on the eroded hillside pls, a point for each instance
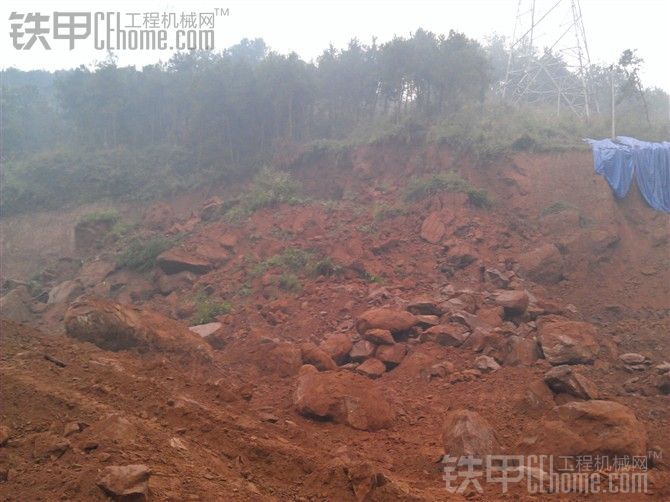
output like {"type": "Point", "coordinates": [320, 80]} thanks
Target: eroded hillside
{"type": "Point", "coordinates": [353, 316]}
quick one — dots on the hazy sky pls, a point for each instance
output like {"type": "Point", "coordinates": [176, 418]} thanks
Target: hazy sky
{"type": "Point", "coordinates": [307, 27]}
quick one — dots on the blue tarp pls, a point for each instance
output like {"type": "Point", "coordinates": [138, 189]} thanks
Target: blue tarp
{"type": "Point", "coordinates": [619, 160]}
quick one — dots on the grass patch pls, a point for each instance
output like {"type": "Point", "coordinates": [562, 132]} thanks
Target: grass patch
{"type": "Point", "coordinates": [369, 277]}
{"type": "Point", "coordinates": [294, 259]}
{"type": "Point", "coordinates": [555, 208]}
{"type": "Point", "coordinates": [297, 260]}
{"type": "Point", "coordinates": [207, 308]}
{"type": "Point", "coordinates": [140, 254]}
{"type": "Point", "coordinates": [121, 230]}
{"type": "Point", "coordinates": [268, 188]}
{"type": "Point", "coordinates": [383, 212]}
{"type": "Point", "coordinates": [421, 188]}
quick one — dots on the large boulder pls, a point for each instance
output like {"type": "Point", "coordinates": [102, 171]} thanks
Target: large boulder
{"type": "Point", "coordinates": [514, 302]}
{"type": "Point", "coordinates": [383, 318]}
{"type": "Point", "coordinates": [592, 428]}
{"type": "Point", "coordinates": [15, 305]}
{"type": "Point", "coordinates": [65, 292]}
{"type": "Point", "coordinates": [320, 359]}
{"type": "Point", "coordinates": [177, 260]}
{"type": "Point", "coordinates": [467, 433]}
{"type": "Point", "coordinates": [543, 264]}
{"type": "Point", "coordinates": [568, 342]}
{"type": "Point", "coordinates": [113, 326]}
{"type": "Point", "coordinates": [337, 346]}
{"type": "Point", "coordinates": [343, 398]}
{"type": "Point", "coordinates": [521, 351]}
{"type": "Point", "coordinates": [283, 359]}
{"type": "Point", "coordinates": [433, 228]}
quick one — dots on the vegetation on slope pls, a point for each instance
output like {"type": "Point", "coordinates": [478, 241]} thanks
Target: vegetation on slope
{"type": "Point", "coordinates": [118, 132]}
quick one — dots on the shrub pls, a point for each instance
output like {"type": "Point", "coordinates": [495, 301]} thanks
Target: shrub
{"type": "Point", "coordinates": [268, 188]}
{"type": "Point", "coordinates": [479, 198]}
{"type": "Point", "coordinates": [290, 282]}
{"type": "Point", "coordinates": [325, 267]}
{"type": "Point", "coordinates": [207, 308]}
{"type": "Point", "coordinates": [62, 178]}
{"type": "Point", "coordinates": [111, 217]}
{"type": "Point", "coordinates": [140, 255]}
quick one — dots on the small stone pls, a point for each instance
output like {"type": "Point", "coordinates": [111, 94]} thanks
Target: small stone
{"type": "Point", "coordinates": [205, 330]}
{"type": "Point", "coordinates": [427, 321]}
{"type": "Point", "coordinates": [439, 370]}
{"type": "Point", "coordinates": [634, 362]}
{"type": "Point", "coordinates": [4, 434]}
{"type": "Point", "coordinates": [362, 350]}
{"type": "Point", "coordinates": [71, 428]}
{"type": "Point", "coordinates": [425, 306]}
{"type": "Point", "coordinates": [391, 355]}
{"type": "Point", "coordinates": [486, 364]}
{"type": "Point", "coordinates": [450, 335]}
{"type": "Point", "coordinates": [48, 445]}
{"type": "Point", "coordinates": [379, 336]}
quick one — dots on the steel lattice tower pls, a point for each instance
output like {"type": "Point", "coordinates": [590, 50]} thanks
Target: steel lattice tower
{"type": "Point", "coordinates": [557, 74]}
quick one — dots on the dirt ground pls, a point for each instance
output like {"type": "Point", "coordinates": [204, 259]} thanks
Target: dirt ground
{"type": "Point", "coordinates": [227, 428]}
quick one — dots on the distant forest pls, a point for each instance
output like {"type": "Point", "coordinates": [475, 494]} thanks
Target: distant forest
{"type": "Point", "coordinates": [112, 131]}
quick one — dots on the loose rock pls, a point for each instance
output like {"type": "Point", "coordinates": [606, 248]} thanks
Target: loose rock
{"type": "Point", "coordinates": [343, 397]}
{"type": "Point", "coordinates": [372, 368]}
{"type": "Point", "coordinates": [379, 336]}
{"type": "Point", "coordinates": [565, 380]}
{"type": "Point", "coordinates": [568, 342]}
{"type": "Point", "coordinates": [125, 481]}
{"type": "Point", "coordinates": [311, 354]}
{"type": "Point", "coordinates": [338, 346]}
{"type": "Point", "coordinates": [467, 433]}
{"type": "Point", "coordinates": [393, 320]}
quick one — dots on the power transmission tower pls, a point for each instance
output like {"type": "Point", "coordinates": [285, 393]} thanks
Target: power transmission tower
{"type": "Point", "coordinates": [558, 75]}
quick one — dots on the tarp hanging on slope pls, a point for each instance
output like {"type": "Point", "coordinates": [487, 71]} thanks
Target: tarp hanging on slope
{"type": "Point", "coordinates": [618, 160]}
